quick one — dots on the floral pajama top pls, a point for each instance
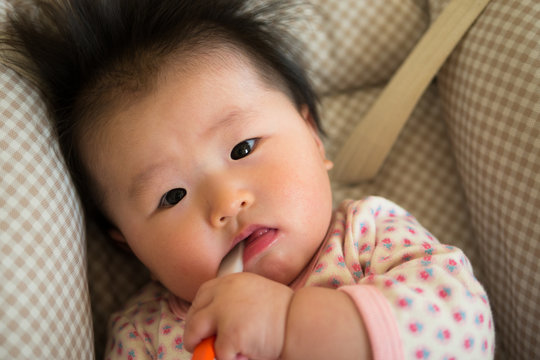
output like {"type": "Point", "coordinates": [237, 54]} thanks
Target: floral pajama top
{"type": "Point", "coordinates": [418, 298]}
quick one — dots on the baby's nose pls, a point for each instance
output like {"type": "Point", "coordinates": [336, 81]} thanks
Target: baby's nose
{"type": "Point", "coordinates": [228, 204]}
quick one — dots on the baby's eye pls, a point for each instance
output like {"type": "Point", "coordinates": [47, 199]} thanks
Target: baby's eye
{"type": "Point", "coordinates": [172, 197]}
{"type": "Point", "coordinates": [243, 149]}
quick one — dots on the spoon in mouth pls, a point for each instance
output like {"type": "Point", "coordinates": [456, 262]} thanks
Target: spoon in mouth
{"type": "Point", "coordinates": [231, 263]}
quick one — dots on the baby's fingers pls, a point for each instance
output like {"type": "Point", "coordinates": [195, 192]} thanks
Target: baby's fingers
{"type": "Point", "coordinates": [227, 348]}
{"type": "Point", "coordinates": [205, 296]}
{"type": "Point", "coordinates": [199, 326]}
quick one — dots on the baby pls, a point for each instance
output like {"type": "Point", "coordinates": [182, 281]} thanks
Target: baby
{"type": "Point", "coordinates": [188, 128]}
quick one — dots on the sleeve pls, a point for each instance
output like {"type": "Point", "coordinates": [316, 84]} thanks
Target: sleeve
{"type": "Point", "coordinates": [418, 298]}
{"type": "Point", "coordinates": [146, 330]}
{"type": "Point", "coordinates": [126, 342]}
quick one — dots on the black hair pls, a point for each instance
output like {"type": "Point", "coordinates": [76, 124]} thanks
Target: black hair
{"type": "Point", "coordinates": [83, 51]}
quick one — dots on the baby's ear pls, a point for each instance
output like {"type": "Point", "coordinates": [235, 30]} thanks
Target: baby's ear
{"type": "Point", "coordinates": [119, 239]}
{"type": "Point", "coordinates": [306, 114]}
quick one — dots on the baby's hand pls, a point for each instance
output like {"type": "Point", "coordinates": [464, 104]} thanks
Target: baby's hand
{"type": "Point", "coordinates": [246, 311]}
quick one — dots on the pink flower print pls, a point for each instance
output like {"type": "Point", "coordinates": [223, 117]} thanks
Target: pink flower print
{"type": "Point", "coordinates": [341, 261]}
{"type": "Point", "coordinates": [363, 228]}
{"type": "Point", "coordinates": [428, 235]}
{"type": "Point", "coordinates": [407, 242]}
{"type": "Point", "coordinates": [405, 302]}
{"type": "Point", "coordinates": [426, 261]}
{"type": "Point", "coordinates": [392, 213]}
{"type": "Point", "coordinates": [166, 330]}
{"type": "Point", "coordinates": [388, 283]}
{"type": "Point", "coordinates": [479, 319]}
{"type": "Point", "coordinates": [401, 278]}
{"type": "Point", "coordinates": [485, 345]}
{"type": "Point", "coordinates": [368, 267]}
{"type": "Point", "coordinates": [443, 335]}
{"type": "Point", "coordinates": [115, 319]}
{"type": "Point", "coordinates": [426, 274]}
{"type": "Point", "coordinates": [178, 343]}
{"type": "Point", "coordinates": [336, 232]}
{"type": "Point", "coordinates": [133, 334]}
{"type": "Point", "coordinates": [468, 343]}
{"type": "Point", "coordinates": [451, 266]}
{"type": "Point", "coordinates": [459, 316]}
{"type": "Point", "coordinates": [365, 248]}
{"type": "Point", "coordinates": [119, 348]}
{"type": "Point", "coordinates": [335, 283]}
{"type": "Point", "coordinates": [411, 230]}
{"type": "Point", "coordinates": [122, 327]}
{"type": "Point", "coordinates": [406, 257]}
{"type": "Point", "coordinates": [150, 320]}
{"type": "Point", "coordinates": [329, 248]}
{"type": "Point", "coordinates": [418, 290]}
{"type": "Point", "coordinates": [370, 279]}
{"type": "Point", "coordinates": [319, 268]}
{"type": "Point", "coordinates": [444, 292]}
{"type": "Point", "coordinates": [387, 243]}
{"type": "Point", "coordinates": [416, 327]}
{"type": "Point", "coordinates": [147, 337]}
{"type": "Point", "coordinates": [449, 357]}
{"type": "Point", "coordinates": [161, 352]}
{"type": "Point", "coordinates": [433, 308]}
{"type": "Point", "coordinates": [484, 299]}
{"type": "Point", "coordinates": [376, 212]}
{"type": "Point", "coordinates": [131, 355]}
{"type": "Point", "coordinates": [422, 353]}
{"type": "Point", "coordinates": [357, 270]}
{"type": "Point", "coordinates": [390, 229]}
{"type": "Point", "coordinates": [428, 249]}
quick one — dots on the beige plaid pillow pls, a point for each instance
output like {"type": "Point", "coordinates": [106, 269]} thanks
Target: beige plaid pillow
{"type": "Point", "coordinates": [44, 303]}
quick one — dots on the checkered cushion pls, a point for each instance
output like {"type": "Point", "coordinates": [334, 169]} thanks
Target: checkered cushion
{"type": "Point", "coordinates": [44, 304]}
{"type": "Point", "coordinates": [353, 44]}
{"type": "Point", "coordinates": [490, 93]}
{"type": "Point", "coordinates": [420, 173]}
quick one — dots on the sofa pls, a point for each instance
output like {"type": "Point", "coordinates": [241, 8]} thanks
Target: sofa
{"type": "Point", "coordinates": [466, 164]}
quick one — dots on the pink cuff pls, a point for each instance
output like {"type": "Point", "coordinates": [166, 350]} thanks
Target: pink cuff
{"type": "Point", "coordinates": [379, 321]}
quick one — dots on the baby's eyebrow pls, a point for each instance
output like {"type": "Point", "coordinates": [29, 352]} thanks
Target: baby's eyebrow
{"type": "Point", "coordinates": [144, 178]}
{"type": "Point", "coordinates": [232, 117]}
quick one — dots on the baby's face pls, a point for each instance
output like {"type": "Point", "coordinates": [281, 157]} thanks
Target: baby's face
{"type": "Point", "coordinates": [210, 158]}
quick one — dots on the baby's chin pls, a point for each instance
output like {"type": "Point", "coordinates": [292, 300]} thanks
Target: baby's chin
{"type": "Point", "coordinates": [279, 269]}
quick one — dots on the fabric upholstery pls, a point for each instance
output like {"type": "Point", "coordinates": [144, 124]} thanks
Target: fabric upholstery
{"type": "Point", "coordinates": [44, 303]}
{"type": "Point", "coordinates": [490, 95]}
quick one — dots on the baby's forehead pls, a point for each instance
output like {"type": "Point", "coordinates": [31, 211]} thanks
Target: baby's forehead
{"type": "Point", "coordinates": [215, 57]}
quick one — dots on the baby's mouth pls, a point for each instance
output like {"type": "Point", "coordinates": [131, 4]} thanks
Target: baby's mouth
{"type": "Point", "coordinates": [256, 234]}
{"type": "Point", "coordinates": [259, 241]}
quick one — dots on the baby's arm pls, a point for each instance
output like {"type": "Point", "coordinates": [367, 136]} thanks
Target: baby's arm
{"type": "Point", "coordinates": [322, 324]}
{"type": "Point", "coordinates": [261, 319]}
